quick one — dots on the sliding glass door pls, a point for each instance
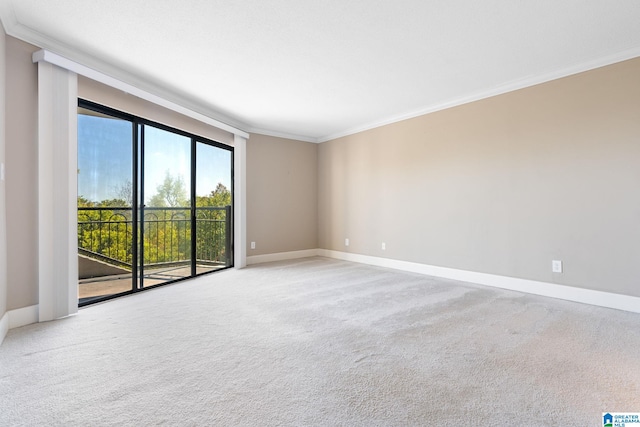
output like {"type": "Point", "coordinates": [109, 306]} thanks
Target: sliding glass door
{"type": "Point", "coordinates": [166, 211]}
{"type": "Point", "coordinates": [154, 204]}
{"type": "Point", "coordinates": [105, 205]}
{"type": "Point", "coordinates": [213, 211]}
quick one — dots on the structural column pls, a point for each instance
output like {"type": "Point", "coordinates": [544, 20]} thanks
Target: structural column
{"type": "Point", "coordinates": [4, 317]}
{"type": "Point", "coordinates": [240, 201]}
{"type": "Point", "coordinates": [57, 191]}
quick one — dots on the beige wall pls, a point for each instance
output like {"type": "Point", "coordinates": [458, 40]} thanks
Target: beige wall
{"type": "Point", "coordinates": [500, 186]}
{"type": "Point", "coordinates": [21, 161]}
{"type": "Point", "coordinates": [22, 175]}
{"type": "Point", "coordinates": [281, 195]}
{"type": "Point", "coordinates": [281, 178]}
{"type": "Point", "coordinates": [3, 221]}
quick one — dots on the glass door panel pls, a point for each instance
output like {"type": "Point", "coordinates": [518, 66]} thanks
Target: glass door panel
{"type": "Point", "coordinates": [105, 200]}
{"type": "Point", "coordinates": [213, 211]}
{"type": "Point", "coordinates": [154, 204]}
{"type": "Point", "coordinates": [165, 214]}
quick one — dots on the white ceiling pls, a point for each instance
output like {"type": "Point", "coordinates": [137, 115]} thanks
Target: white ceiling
{"type": "Point", "coordinates": [317, 69]}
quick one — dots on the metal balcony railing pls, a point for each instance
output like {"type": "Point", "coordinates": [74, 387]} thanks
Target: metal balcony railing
{"type": "Point", "coordinates": [106, 234]}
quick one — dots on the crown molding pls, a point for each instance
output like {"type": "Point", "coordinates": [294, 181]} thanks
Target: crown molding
{"type": "Point", "coordinates": [15, 29]}
{"type": "Point", "coordinates": [284, 135]}
{"type": "Point", "coordinates": [60, 61]}
{"type": "Point", "coordinates": [494, 91]}
{"type": "Point", "coordinates": [93, 68]}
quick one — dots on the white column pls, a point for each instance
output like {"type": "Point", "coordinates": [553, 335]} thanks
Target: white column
{"type": "Point", "coordinates": [57, 192]}
{"type": "Point", "coordinates": [4, 318]}
{"type": "Point", "coordinates": [240, 201]}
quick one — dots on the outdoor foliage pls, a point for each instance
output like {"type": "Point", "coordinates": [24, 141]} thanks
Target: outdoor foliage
{"type": "Point", "coordinates": [171, 193]}
{"type": "Point", "coordinates": [105, 228]}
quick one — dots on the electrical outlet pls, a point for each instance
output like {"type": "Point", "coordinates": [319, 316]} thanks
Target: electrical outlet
{"type": "Point", "coordinates": [253, 245]}
{"type": "Point", "coordinates": [1, 171]}
{"type": "Point", "coordinates": [346, 241]}
{"type": "Point", "coordinates": [556, 266]}
{"type": "Point", "coordinates": [384, 246]}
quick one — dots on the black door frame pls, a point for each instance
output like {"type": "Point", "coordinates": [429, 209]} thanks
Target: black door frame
{"type": "Point", "coordinates": [137, 208]}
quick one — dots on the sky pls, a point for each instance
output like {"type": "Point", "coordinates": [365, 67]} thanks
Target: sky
{"type": "Point", "coordinates": [105, 159]}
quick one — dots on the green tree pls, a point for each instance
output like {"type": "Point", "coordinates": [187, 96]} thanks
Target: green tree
{"type": "Point", "coordinates": [171, 193]}
{"type": "Point", "coordinates": [114, 203]}
{"type": "Point", "coordinates": [106, 227]}
{"type": "Point", "coordinates": [83, 202]}
{"type": "Point", "coordinates": [219, 197]}
{"type": "Point", "coordinates": [212, 223]}
{"type": "Point", "coordinates": [105, 231]}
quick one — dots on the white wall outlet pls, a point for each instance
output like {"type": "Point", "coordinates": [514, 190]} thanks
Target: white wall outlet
{"type": "Point", "coordinates": [384, 246]}
{"type": "Point", "coordinates": [556, 266]}
{"type": "Point", "coordinates": [1, 171]}
{"type": "Point", "coordinates": [253, 245]}
{"type": "Point", "coordinates": [346, 241]}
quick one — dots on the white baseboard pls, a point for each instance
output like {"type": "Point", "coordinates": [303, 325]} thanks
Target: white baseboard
{"type": "Point", "coordinates": [570, 293]}
{"type": "Point", "coordinates": [23, 316]}
{"type": "Point", "coordinates": [281, 256]}
{"type": "Point", "coordinates": [16, 318]}
{"type": "Point", "coordinates": [4, 326]}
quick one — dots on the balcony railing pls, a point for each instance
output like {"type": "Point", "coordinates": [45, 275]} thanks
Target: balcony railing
{"type": "Point", "coordinates": [106, 234]}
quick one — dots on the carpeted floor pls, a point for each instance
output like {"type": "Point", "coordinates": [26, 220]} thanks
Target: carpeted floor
{"type": "Point", "coordinates": [323, 342]}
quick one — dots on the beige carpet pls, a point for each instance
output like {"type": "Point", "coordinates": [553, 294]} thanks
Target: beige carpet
{"type": "Point", "coordinates": [323, 342]}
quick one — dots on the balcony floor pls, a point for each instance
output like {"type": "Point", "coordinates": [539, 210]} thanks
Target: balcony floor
{"type": "Point", "coordinates": [116, 284]}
